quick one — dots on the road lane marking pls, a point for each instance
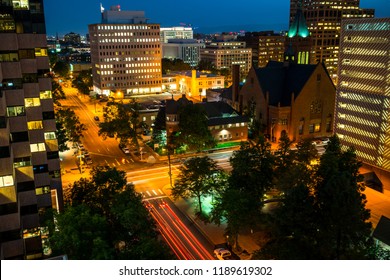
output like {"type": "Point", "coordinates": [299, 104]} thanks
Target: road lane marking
{"type": "Point", "coordinates": [160, 191]}
{"type": "Point", "coordinates": [154, 192]}
{"type": "Point", "coordinates": [148, 193]}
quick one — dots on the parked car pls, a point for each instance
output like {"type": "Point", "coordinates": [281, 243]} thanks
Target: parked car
{"type": "Point", "coordinates": [96, 118]}
{"type": "Point", "coordinates": [125, 150]}
{"type": "Point", "coordinates": [222, 254]}
{"type": "Point", "coordinates": [87, 159]}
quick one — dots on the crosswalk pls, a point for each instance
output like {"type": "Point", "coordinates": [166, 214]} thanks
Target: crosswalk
{"type": "Point", "coordinates": [152, 194]}
{"type": "Point", "coordinates": [117, 163]}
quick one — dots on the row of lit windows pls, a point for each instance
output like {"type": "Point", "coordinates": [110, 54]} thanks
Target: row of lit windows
{"type": "Point", "coordinates": [127, 27]}
{"type": "Point", "coordinates": [139, 83]}
{"type": "Point", "coordinates": [136, 71]}
{"type": "Point", "coordinates": [135, 40]}
{"type": "Point", "coordinates": [227, 126]}
{"type": "Point", "coordinates": [38, 147]}
{"type": "Point", "coordinates": [117, 59]}
{"type": "Point", "coordinates": [105, 66]}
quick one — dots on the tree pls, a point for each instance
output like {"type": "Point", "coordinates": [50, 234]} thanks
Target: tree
{"type": "Point", "coordinates": [195, 179]}
{"type": "Point", "coordinates": [67, 120]}
{"type": "Point", "coordinates": [61, 68]}
{"type": "Point", "coordinates": [169, 65]}
{"type": "Point", "coordinates": [241, 201]}
{"type": "Point", "coordinates": [193, 129]}
{"type": "Point", "coordinates": [105, 219]}
{"type": "Point", "coordinates": [57, 92]}
{"type": "Point", "coordinates": [343, 227]}
{"type": "Point", "coordinates": [205, 65]}
{"type": "Point", "coordinates": [83, 82]}
{"type": "Point", "coordinates": [122, 121]}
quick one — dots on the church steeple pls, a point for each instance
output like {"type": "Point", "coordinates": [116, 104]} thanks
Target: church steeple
{"type": "Point", "coordinates": [298, 26]}
{"type": "Point", "coordinates": [298, 41]}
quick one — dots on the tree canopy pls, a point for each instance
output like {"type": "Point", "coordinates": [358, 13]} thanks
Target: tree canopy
{"type": "Point", "coordinates": [193, 129]}
{"type": "Point", "coordinates": [105, 219]}
{"type": "Point", "coordinates": [121, 121]}
{"type": "Point", "coordinates": [68, 125]}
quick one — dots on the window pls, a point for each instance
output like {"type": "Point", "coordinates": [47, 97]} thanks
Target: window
{"type": "Point", "coordinates": [328, 126]}
{"type": "Point", "coordinates": [40, 168]}
{"type": "Point", "coordinates": [38, 147]}
{"type": "Point", "coordinates": [20, 4]}
{"type": "Point", "coordinates": [46, 94]}
{"type": "Point", "coordinates": [16, 111]}
{"type": "Point", "coordinates": [6, 181]}
{"type": "Point", "coordinates": [34, 125]}
{"type": "Point", "coordinates": [153, 118]}
{"type": "Point", "coordinates": [40, 52]}
{"type": "Point", "coordinates": [4, 152]}
{"type": "Point", "coordinates": [22, 162]}
{"type": "Point", "coordinates": [25, 186]}
{"type": "Point", "coordinates": [3, 122]}
{"type": "Point", "coordinates": [317, 127]}
{"type": "Point", "coordinates": [26, 54]}
{"type": "Point", "coordinates": [50, 136]}
{"type": "Point", "coordinates": [19, 136]}
{"type": "Point", "coordinates": [42, 190]}
{"type": "Point", "coordinates": [311, 128]}
{"type": "Point", "coordinates": [48, 115]}
{"type": "Point", "coordinates": [300, 129]}
{"type": "Point", "coordinates": [32, 102]}
{"type": "Point", "coordinates": [55, 174]}
{"type": "Point", "coordinates": [52, 155]}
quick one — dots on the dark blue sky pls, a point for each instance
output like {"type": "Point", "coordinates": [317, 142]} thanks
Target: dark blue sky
{"type": "Point", "coordinates": [208, 15]}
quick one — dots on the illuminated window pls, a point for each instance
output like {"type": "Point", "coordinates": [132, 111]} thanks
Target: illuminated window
{"type": "Point", "coordinates": [22, 162]}
{"type": "Point", "coordinates": [50, 135]}
{"type": "Point", "coordinates": [34, 125]}
{"type": "Point", "coordinates": [38, 147]}
{"type": "Point", "coordinates": [6, 181]}
{"type": "Point", "coordinates": [317, 127]}
{"type": "Point", "coordinates": [32, 102]}
{"type": "Point", "coordinates": [45, 94]}
{"type": "Point", "coordinates": [42, 190]}
{"type": "Point", "coordinates": [20, 4]}
{"type": "Point", "coordinates": [40, 52]}
{"type": "Point", "coordinates": [16, 111]}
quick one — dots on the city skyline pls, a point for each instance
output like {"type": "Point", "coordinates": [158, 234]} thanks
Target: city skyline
{"type": "Point", "coordinates": [72, 16]}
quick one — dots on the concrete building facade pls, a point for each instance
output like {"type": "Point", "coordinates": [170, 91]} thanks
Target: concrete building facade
{"type": "Point", "coordinates": [225, 54]}
{"type": "Point", "coordinates": [187, 50]}
{"type": "Point", "coordinates": [30, 174]}
{"type": "Point", "coordinates": [125, 54]}
{"type": "Point", "coordinates": [363, 91]}
{"type": "Point", "coordinates": [178, 32]}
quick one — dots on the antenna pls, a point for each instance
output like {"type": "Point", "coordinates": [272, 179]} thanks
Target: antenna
{"type": "Point", "coordinates": [101, 8]}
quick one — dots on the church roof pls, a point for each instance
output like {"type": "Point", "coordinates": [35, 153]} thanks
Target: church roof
{"type": "Point", "coordinates": [298, 27]}
{"type": "Point", "coordinates": [280, 80]}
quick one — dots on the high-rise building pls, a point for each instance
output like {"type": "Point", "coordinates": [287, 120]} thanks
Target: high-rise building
{"type": "Point", "coordinates": [179, 32]}
{"type": "Point", "coordinates": [265, 45]}
{"type": "Point", "coordinates": [30, 177]}
{"type": "Point", "coordinates": [225, 54]}
{"type": "Point", "coordinates": [187, 50]}
{"type": "Point", "coordinates": [362, 116]}
{"type": "Point", "coordinates": [125, 54]}
{"type": "Point", "coordinates": [324, 21]}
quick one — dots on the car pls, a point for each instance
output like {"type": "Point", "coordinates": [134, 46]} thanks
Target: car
{"type": "Point", "coordinates": [125, 150]}
{"type": "Point", "coordinates": [222, 254]}
{"type": "Point", "coordinates": [325, 141]}
{"type": "Point", "coordinates": [96, 118]}
{"type": "Point", "coordinates": [80, 145]}
{"type": "Point", "coordinates": [162, 204]}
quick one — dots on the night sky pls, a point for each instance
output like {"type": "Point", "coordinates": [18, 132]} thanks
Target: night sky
{"type": "Point", "coordinates": [205, 16]}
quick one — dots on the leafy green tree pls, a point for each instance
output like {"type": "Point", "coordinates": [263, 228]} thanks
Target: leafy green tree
{"type": "Point", "coordinates": [57, 92]}
{"type": "Point", "coordinates": [169, 65]}
{"type": "Point", "coordinates": [343, 219]}
{"type": "Point", "coordinates": [81, 234]}
{"type": "Point", "coordinates": [122, 121]}
{"type": "Point", "coordinates": [193, 129]}
{"type": "Point", "coordinates": [68, 120]}
{"type": "Point", "coordinates": [106, 212]}
{"type": "Point", "coordinates": [205, 65]}
{"type": "Point", "coordinates": [62, 137]}
{"type": "Point", "coordinates": [195, 179]}
{"type": "Point", "coordinates": [241, 201]}
{"type": "Point", "coordinates": [83, 82]}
